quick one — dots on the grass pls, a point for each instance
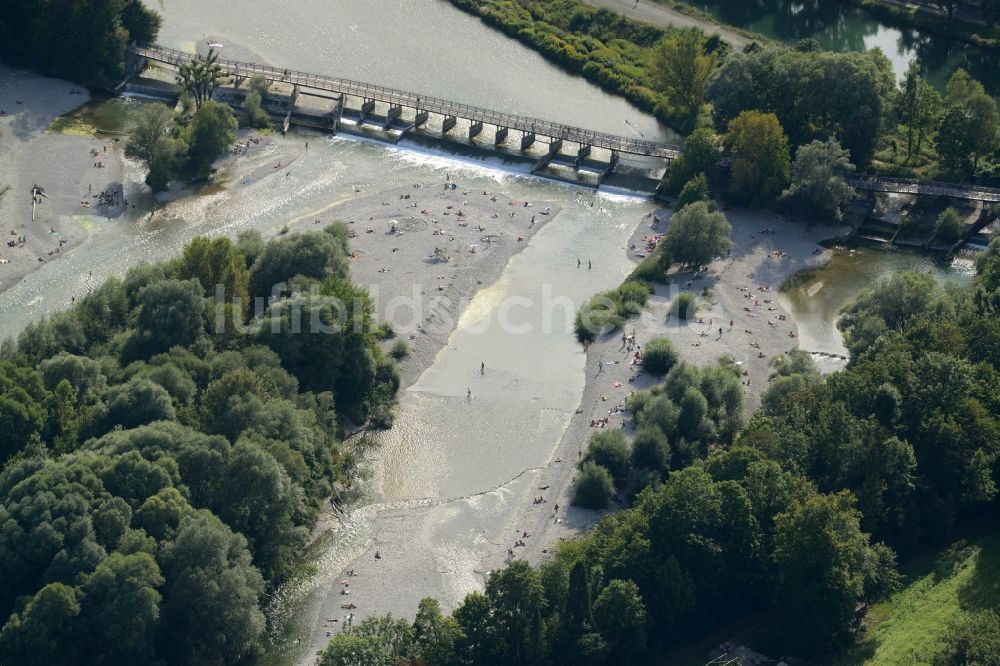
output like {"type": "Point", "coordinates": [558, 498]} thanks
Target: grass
{"type": "Point", "coordinates": [910, 627]}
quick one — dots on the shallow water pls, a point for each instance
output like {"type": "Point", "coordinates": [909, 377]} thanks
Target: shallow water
{"type": "Point", "coordinates": [816, 297]}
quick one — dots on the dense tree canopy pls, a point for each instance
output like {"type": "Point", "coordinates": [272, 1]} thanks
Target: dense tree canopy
{"type": "Point", "coordinates": [814, 95]}
{"type": "Point", "coordinates": [156, 478]}
{"type": "Point", "coordinates": [83, 41]}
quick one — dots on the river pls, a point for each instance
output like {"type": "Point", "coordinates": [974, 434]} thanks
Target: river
{"type": "Point", "coordinates": [459, 468]}
{"type": "Point", "coordinates": [838, 26]}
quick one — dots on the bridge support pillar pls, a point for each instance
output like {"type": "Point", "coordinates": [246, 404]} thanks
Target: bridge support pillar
{"type": "Point", "coordinates": [448, 124]}
{"type": "Point", "coordinates": [475, 128]}
{"type": "Point", "coordinates": [501, 136]}
{"type": "Point", "coordinates": [612, 163]}
{"type": "Point", "coordinates": [391, 115]}
{"type": "Point", "coordinates": [527, 140]}
{"type": "Point", "coordinates": [367, 107]}
{"type": "Point", "coordinates": [581, 155]}
{"type": "Point", "coordinates": [549, 155]}
{"type": "Point", "coordinates": [336, 114]}
{"type": "Point", "coordinates": [420, 119]}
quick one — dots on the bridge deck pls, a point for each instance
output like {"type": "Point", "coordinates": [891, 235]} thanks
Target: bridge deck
{"type": "Point", "coordinates": [444, 107]}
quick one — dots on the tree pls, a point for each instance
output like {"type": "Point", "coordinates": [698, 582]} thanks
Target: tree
{"type": "Point", "coordinates": [42, 634]}
{"type": "Point", "coordinates": [759, 148]}
{"type": "Point", "coordinates": [517, 600]}
{"type": "Point", "coordinates": [593, 487]}
{"type": "Point", "coordinates": [610, 450]}
{"type": "Point", "coordinates": [701, 155]}
{"type": "Point", "coordinates": [212, 129]}
{"type": "Point", "coordinates": [659, 356]}
{"type": "Point", "coordinates": [650, 449]}
{"type": "Point", "coordinates": [256, 116]}
{"type": "Point", "coordinates": [971, 126]}
{"type": "Point", "coordinates": [216, 263]}
{"type": "Point", "coordinates": [822, 561]}
{"type": "Point", "coordinates": [435, 634]}
{"type": "Point", "coordinates": [620, 617]}
{"type": "Point", "coordinates": [696, 236]}
{"type": "Point", "coordinates": [681, 67]}
{"type": "Point", "coordinates": [317, 255]}
{"type": "Point", "coordinates": [211, 593]}
{"type": "Point", "coordinates": [694, 190]}
{"type": "Point", "coordinates": [153, 141]}
{"type": "Point", "coordinates": [576, 618]}
{"type": "Point", "coordinates": [919, 108]}
{"type": "Point", "coordinates": [891, 305]}
{"type": "Point", "coordinates": [949, 225]}
{"type": "Point", "coordinates": [953, 142]}
{"type": "Point", "coordinates": [121, 610]}
{"type": "Point", "coordinates": [169, 313]}
{"type": "Point", "coordinates": [818, 179]}
{"type": "Point", "coordinates": [200, 76]}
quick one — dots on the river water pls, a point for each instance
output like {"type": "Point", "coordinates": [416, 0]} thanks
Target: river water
{"type": "Point", "coordinates": [463, 459]}
{"type": "Point", "coordinates": [838, 26]}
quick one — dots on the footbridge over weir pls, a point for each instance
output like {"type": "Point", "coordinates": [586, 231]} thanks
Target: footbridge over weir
{"type": "Point", "coordinates": [530, 129]}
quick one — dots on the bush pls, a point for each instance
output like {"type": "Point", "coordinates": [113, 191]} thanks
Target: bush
{"type": "Point", "coordinates": [610, 450]}
{"type": "Point", "coordinates": [382, 417]}
{"type": "Point", "coordinates": [606, 312]}
{"type": "Point", "coordinates": [399, 350]}
{"type": "Point", "coordinates": [949, 225]}
{"type": "Point", "coordinates": [650, 450]}
{"type": "Point", "coordinates": [593, 488]}
{"type": "Point", "coordinates": [685, 305]}
{"type": "Point", "coordinates": [659, 356]}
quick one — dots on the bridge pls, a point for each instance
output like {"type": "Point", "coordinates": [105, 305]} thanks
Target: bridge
{"type": "Point", "coordinates": [530, 128]}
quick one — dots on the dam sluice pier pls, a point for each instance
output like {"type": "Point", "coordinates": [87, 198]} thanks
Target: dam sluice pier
{"type": "Point", "coordinates": [329, 104]}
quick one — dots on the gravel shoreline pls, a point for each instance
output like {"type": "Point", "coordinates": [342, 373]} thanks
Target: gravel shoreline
{"type": "Point", "coordinates": [62, 164]}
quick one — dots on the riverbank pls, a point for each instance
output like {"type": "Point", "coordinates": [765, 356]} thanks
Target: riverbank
{"type": "Point", "coordinates": [72, 184]}
{"type": "Point", "coordinates": [666, 13]}
{"type": "Point", "coordinates": [761, 331]}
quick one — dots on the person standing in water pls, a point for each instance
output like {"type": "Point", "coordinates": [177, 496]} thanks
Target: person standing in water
{"type": "Point", "coordinates": [482, 368]}
{"type": "Point", "coordinates": [578, 262]}
{"type": "Point", "coordinates": [589, 265]}
{"type": "Point", "coordinates": [469, 394]}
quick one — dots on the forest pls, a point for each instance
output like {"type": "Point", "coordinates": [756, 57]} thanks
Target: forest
{"type": "Point", "coordinates": [164, 452]}
{"type": "Point", "coordinates": [81, 41]}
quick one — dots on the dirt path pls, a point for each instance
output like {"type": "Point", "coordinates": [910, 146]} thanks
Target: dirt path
{"type": "Point", "coordinates": [649, 12]}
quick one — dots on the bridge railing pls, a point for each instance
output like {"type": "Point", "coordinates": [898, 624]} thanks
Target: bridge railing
{"type": "Point", "coordinates": [906, 186]}
{"type": "Point", "coordinates": [423, 102]}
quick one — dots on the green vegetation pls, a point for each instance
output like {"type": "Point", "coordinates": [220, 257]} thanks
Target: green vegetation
{"type": "Point", "coordinates": [761, 163]}
{"type": "Point", "coordinates": [172, 145]}
{"type": "Point", "coordinates": [608, 49]}
{"type": "Point", "coordinates": [83, 41]}
{"type": "Point", "coordinates": [949, 226]}
{"type": "Point", "coordinates": [607, 312]}
{"type": "Point", "coordinates": [199, 77]}
{"type": "Point", "coordinates": [697, 234]}
{"type": "Point", "coordinates": [161, 462]}
{"type": "Point", "coordinates": [254, 113]}
{"type": "Point", "coordinates": [659, 356]}
{"type": "Point", "coordinates": [818, 187]}
{"type": "Point", "coordinates": [795, 516]}
{"type": "Point", "coordinates": [685, 305]}
{"type": "Point", "coordinates": [919, 623]}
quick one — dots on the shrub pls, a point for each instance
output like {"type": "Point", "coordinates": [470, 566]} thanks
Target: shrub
{"type": "Point", "coordinates": [685, 305]}
{"type": "Point", "coordinates": [593, 488]}
{"type": "Point", "coordinates": [606, 312]}
{"type": "Point", "coordinates": [659, 356]}
{"type": "Point", "coordinates": [950, 225]}
{"type": "Point", "coordinates": [610, 450]}
{"type": "Point", "coordinates": [399, 350]}
{"type": "Point", "coordinates": [382, 417]}
{"type": "Point", "coordinates": [650, 450]}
